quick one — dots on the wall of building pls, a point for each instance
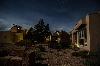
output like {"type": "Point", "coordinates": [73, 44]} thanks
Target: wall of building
{"type": "Point", "coordinates": [94, 21]}
{"type": "Point", "coordinates": [86, 21]}
{"type": "Point", "coordinates": [19, 37]}
{"type": "Point", "coordinates": [10, 37]}
{"type": "Point", "coordinates": [6, 37]}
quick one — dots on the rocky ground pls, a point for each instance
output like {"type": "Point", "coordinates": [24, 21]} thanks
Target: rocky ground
{"type": "Point", "coordinates": [61, 57]}
{"type": "Point", "coordinates": [64, 57]}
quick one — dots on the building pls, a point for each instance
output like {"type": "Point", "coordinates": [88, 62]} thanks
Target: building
{"type": "Point", "coordinates": [48, 39]}
{"type": "Point", "coordinates": [6, 37]}
{"type": "Point", "coordinates": [86, 33]}
{"type": "Point", "coordinates": [16, 28]}
{"type": "Point", "coordinates": [60, 37]}
{"type": "Point", "coordinates": [19, 32]}
{"type": "Point", "coordinates": [15, 34]}
{"type": "Point", "coordinates": [56, 37]}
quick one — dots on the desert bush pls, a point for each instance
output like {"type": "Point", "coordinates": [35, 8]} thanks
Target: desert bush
{"type": "Point", "coordinates": [38, 54]}
{"type": "Point", "coordinates": [83, 54]}
{"type": "Point", "coordinates": [52, 44]}
{"type": "Point", "coordinates": [75, 54]}
{"type": "Point", "coordinates": [89, 63]}
{"type": "Point", "coordinates": [42, 49]}
{"type": "Point", "coordinates": [3, 52]}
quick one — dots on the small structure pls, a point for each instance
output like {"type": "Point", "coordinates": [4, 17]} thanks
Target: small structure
{"type": "Point", "coordinates": [56, 37]}
{"type": "Point", "coordinates": [6, 37]}
{"type": "Point", "coordinates": [60, 37]}
{"type": "Point", "coordinates": [15, 34]}
{"type": "Point", "coordinates": [48, 38]}
{"type": "Point", "coordinates": [16, 29]}
{"type": "Point", "coordinates": [19, 32]}
{"type": "Point", "coordinates": [86, 33]}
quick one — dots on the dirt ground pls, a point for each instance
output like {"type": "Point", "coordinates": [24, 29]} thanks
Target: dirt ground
{"type": "Point", "coordinates": [64, 57]}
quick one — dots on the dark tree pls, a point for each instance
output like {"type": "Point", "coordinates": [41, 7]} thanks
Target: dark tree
{"type": "Point", "coordinates": [65, 39]}
{"type": "Point", "coordinates": [47, 30]}
{"type": "Point", "coordinates": [41, 31]}
{"type": "Point", "coordinates": [29, 35]}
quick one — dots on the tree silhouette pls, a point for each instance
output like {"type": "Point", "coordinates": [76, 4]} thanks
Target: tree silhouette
{"type": "Point", "coordinates": [29, 35]}
{"type": "Point", "coordinates": [41, 31]}
{"type": "Point", "coordinates": [65, 39]}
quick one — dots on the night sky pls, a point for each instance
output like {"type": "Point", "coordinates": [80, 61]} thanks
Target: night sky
{"type": "Point", "coordinates": [60, 14]}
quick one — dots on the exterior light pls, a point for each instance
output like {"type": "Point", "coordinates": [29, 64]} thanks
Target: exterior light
{"type": "Point", "coordinates": [57, 33]}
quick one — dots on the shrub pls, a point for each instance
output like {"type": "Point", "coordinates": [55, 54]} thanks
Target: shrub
{"type": "Point", "coordinates": [83, 54]}
{"type": "Point", "coordinates": [41, 48]}
{"type": "Point", "coordinates": [75, 54]}
{"type": "Point", "coordinates": [3, 52]}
